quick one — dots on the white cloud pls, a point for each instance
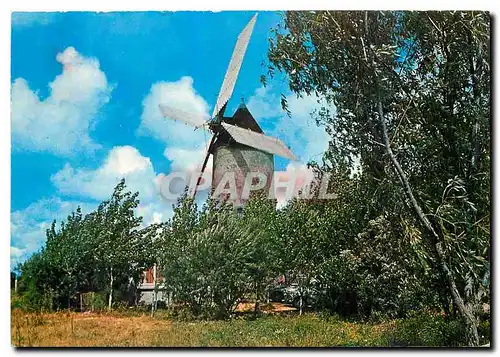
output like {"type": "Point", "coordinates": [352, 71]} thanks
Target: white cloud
{"type": "Point", "coordinates": [154, 212]}
{"type": "Point", "coordinates": [185, 147]}
{"type": "Point", "coordinates": [261, 105]}
{"type": "Point", "coordinates": [186, 159]}
{"type": "Point", "coordinates": [306, 139]}
{"type": "Point", "coordinates": [60, 123]}
{"type": "Point", "coordinates": [178, 95]}
{"type": "Point", "coordinates": [122, 162]}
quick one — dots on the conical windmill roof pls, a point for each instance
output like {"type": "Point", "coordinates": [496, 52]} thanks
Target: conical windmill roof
{"type": "Point", "coordinates": [244, 119]}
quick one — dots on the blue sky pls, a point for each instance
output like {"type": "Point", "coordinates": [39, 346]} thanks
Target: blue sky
{"type": "Point", "coordinates": [85, 89]}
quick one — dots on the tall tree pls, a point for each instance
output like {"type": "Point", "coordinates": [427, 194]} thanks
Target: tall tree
{"type": "Point", "coordinates": [411, 91]}
{"type": "Point", "coordinates": [102, 250]}
{"type": "Point", "coordinates": [120, 245]}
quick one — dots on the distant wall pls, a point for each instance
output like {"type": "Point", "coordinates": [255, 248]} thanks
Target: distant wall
{"type": "Point", "coordinates": [147, 296]}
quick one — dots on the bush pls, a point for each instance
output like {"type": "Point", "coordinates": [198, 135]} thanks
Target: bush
{"type": "Point", "coordinates": [184, 314]}
{"type": "Point", "coordinates": [32, 301]}
{"type": "Point", "coordinates": [95, 300]}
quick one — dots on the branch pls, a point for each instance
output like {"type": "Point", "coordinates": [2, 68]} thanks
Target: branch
{"type": "Point", "coordinates": [437, 28]}
{"type": "Point", "coordinates": [457, 298]}
{"type": "Point", "coordinates": [400, 121]}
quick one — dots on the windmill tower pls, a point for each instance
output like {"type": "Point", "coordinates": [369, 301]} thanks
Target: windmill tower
{"type": "Point", "coordinates": [238, 145]}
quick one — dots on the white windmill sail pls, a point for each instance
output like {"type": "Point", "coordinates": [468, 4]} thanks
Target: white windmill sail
{"type": "Point", "coordinates": [234, 66]}
{"type": "Point", "coordinates": [259, 141]}
{"type": "Point", "coordinates": [194, 119]}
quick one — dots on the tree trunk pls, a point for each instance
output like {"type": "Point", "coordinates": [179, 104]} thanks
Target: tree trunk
{"type": "Point", "coordinates": [170, 299]}
{"type": "Point", "coordinates": [153, 304]}
{"type": "Point", "coordinates": [257, 300]}
{"type": "Point", "coordinates": [301, 303]}
{"type": "Point", "coordinates": [110, 301]}
{"type": "Point", "coordinates": [469, 319]}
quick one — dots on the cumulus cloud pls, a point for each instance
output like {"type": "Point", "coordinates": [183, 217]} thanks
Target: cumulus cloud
{"type": "Point", "coordinates": [60, 123]}
{"type": "Point", "coordinates": [122, 162]}
{"type": "Point", "coordinates": [262, 105]}
{"type": "Point", "coordinates": [185, 147]}
{"type": "Point", "coordinates": [306, 139]}
{"type": "Point", "coordinates": [186, 159]}
{"type": "Point", "coordinates": [98, 184]}
{"type": "Point", "coordinates": [178, 95]}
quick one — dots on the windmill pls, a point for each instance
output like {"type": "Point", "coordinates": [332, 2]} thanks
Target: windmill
{"type": "Point", "coordinates": [237, 144]}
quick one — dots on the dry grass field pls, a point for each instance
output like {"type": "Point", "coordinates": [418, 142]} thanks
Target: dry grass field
{"type": "Point", "coordinates": [113, 330]}
{"type": "Point", "coordinates": [290, 330]}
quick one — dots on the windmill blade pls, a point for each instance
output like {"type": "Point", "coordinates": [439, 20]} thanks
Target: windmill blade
{"type": "Point", "coordinates": [234, 66]}
{"type": "Point", "coordinates": [259, 141]}
{"type": "Point", "coordinates": [204, 165]}
{"type": "Point", "coordinates": [194, 119]}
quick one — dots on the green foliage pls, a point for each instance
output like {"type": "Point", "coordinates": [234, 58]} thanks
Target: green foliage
{"type": "Point", "coordinates": [310, 331]}
{"type": "Point", "coordinates": [427, 330]}
{"type": "Point", "coordinates": [408, 97]}
{"type": "Point", "coordinates": [80, 255]}
{"type": "Point", "coordinates": [405, 97]}
{"type": "Point", "coordinates": [213, 257]}
{"type": "Point", "coordinates": [96, 300]}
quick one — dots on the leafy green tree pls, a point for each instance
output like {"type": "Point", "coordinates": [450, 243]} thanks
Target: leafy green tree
{"type": "Point", "coordinates": [120, 246]}
{"type": "Point", "coordinates": [262, 264]}
{"type": "Point", "coordinates": [103, 250]}
{"type": "Point", "coordinates": [66, 253]}
{"type": "Point", "coordinates": [215, 256]}
{"type": "Point", "coordinates": [300, 233]}
{"type": "Point", "coordinates": [411, 93]}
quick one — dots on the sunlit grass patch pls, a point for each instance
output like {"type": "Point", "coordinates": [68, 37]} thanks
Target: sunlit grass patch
{"type": "Point", "coordinates": [309, 330]}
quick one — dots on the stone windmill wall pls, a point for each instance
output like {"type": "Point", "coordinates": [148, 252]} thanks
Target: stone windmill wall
{"type": "Point", "coordinates": [229, 156]}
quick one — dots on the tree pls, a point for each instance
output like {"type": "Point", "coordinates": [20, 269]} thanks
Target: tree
{"type": "Point", "coordinates": [216, 255]}
{"type": "Point", "coordinates": [120, 246]}
{"type": "Point", "coordinates": [300, 233]}
{"type": "Point", "coordinates": [411, 92]}
{"type": "Point", "coordinates": [262, 264]}
{"type": "Point", "coordinates": [67, 252]}
{"type": "Point", "coordinates": [104, 249]}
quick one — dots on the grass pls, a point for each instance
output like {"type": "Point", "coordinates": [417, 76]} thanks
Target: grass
{"type": "Point", "coordinates": [141, 330]}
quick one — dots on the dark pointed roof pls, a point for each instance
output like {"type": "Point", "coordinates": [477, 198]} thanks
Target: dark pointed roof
{"type": "Point", "coordinates": [244, 119]}
{"type": "Point", "coordinates": [241, 118]}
